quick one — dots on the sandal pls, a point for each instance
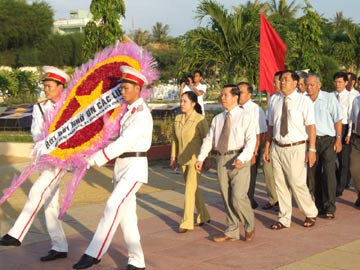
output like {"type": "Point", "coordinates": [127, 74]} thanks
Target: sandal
{"type": "Point", "coordinates": [309, 222]}
{"type": "Point", "coordinates": [278, 226]}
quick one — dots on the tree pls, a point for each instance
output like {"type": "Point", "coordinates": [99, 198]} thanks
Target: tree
{"type": "Point", "coordinates": [24, 25]}
{"type": "Point", "coordinates": [227, 46]}
{"type": "Point", "coordinates": [105, 27]}
{"type": "Point", "coordinates": [308, 43]}
{"type": "Point", "coordinates": [282, 9]}
{"type": "Point", "coordinates": [140, 37]}
{"type": "Point", "coordinates": [160, 32]}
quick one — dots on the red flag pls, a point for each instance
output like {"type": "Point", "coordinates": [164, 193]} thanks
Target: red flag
{"type": "Point", "coordinates": [272, 55]}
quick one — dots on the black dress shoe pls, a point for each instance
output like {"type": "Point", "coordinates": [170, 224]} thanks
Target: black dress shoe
{"type": "Point", "coordinates": [85, 262]}
{"type": "Point", "coordinates": [132, 267]}
{"type": "Point", "coordinates": [8, 240]}
{"type": "Point", "coordinates": [357, 202]}
{"type": "Point", "coordinates": [254, 204]}
{"type": "Point", "coordinates": [53, 255]}
{"type": "Point", "coordinates": [202, 223]}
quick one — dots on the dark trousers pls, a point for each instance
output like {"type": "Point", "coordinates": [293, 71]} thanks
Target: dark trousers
{"type": "Point", "coordinates": [355, 161]}
{"type": "Point", "coordinates": [321, 177]}
{"type": "Point", "coordinates": [253, 174]}
{"type": "Point", "coordinates": [343, 170]}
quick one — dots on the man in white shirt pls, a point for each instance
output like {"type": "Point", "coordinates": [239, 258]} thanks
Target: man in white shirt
{"type": "Point", "coordinates": [45, 190]}
{"type": "Point", "coordinates": [345, 99]}
{"type": "Point", "coordinates": [232, 135]}
{"type": "Point", "coordinates": [291, 125]}
{"type": "Point", "coordinates": [186, 84]}
{"type": "Point", "coordinates": [259, 118]}
{"type": "Point", "coordinates": [130, 172]}
{"type": "Point", "coordinates": [350, 86]}
{"type": "Point", "coordinates": [355, 147]}
{"type": "Point", "coordinates": [199, 88]}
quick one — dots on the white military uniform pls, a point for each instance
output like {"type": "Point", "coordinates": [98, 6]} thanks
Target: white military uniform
{"type": "Point", "coordinates": [45, 191]}
{"type": "Point", "coordinates": [129, 174]}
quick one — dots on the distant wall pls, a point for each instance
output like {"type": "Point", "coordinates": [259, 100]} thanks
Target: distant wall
{"type": "Point", "coordinates": [16, 149]}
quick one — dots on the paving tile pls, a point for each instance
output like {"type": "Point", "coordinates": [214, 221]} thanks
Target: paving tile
{"type": "Point", "coordinates": [336, 259]}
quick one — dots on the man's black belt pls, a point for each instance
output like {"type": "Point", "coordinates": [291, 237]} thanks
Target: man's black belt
{"type": "Point", "coordinates": [132, 154]}
{"type": "Point", "coordinates": [288, 144]}
{"type": "Point", "coordinates": [230, 152]}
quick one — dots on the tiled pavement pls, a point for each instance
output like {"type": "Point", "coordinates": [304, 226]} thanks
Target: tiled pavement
{"type": "Point", "coordinates": [330, 244]}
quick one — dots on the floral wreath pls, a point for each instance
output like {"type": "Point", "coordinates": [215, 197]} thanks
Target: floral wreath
{"type": "Point", "coordinates": [88, 114]}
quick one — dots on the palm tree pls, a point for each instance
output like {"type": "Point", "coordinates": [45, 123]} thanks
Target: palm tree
{"type": "Point", "coordinates": [282, 9]}
{"type": "Point", "coordinates": [140, 37]}
{"type": "Point", "coordinates": [160, 32]}
{"type": "Point", "coordinates": [227, 45]}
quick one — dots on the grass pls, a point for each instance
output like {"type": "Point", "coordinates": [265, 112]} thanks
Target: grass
{"type": "Point", "coordinates": [15, 136]}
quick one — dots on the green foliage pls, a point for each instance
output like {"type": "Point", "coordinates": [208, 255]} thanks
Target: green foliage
{"type": "Point", "coordinates": [105, 27]}
{"type": "Point", "coordinates": [227, 47]}
{"type": "Point", "coordinates": [308, 43]}
{"type": "Point", "coordinates": [140, 37]}
{"type": "Point", "coordinates": [23, 25]}
{"type": "Point", "coordinates": [18, 86]}
{"type": "Point", "coordinates": [15, 136]}
{"type": "Point", "coordinates": [160, 32]}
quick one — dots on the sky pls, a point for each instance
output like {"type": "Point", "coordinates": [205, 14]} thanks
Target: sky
{"type": "Point", "coordinates": [180, 14]}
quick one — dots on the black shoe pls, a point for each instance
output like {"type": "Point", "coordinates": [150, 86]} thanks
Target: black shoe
{"type": "Point", "coordinates": [357, 202]}
{"type": "Point", "coordinates": [53, 255]}
{"type": "Point", "coordinates": [85, 262]}
{"type": "Point", "coordinates": [8, 240]}
{"type": "Point", "coordinates": [202, 223]}
{"type": "Point", "coordinates": [254, 204]}
{"type": "Point", "coordinates": [132, 267]}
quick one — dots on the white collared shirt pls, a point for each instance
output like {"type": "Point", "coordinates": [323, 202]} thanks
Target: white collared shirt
{"type": "Point", "coordinates": [38, 119]}
{"type": "Point", "coordinates": [355, 110]}
{"type": "Point", "coordinates": [203, 88]}
{"type": "Point", "coordinates": [346, 99]}
{"type": "Point", "coordinates": [135, 133]}
{"type": "Point", "coordinates": [354, 92]}
{"type": "Point", "coordinates": [242, 134]}
{"type": "Point", "coordinates": [258, 116]}
{"type": "Point", "coordinates": [300, 114]}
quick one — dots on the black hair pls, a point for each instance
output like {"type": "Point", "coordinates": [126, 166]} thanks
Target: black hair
{"type": "Point", "coordinates": [198, 71]}
{"type": "Point", "coordinates": [193, 98]}
{"type": "Point", "coordinates": [235, 91]}
{"type": "Point", "coordinates": [339, 75]}
{"type": "Point", "coordinates": [278, 73]}
{"type": "Point", "coordinates": [352, 76]}
{"type": "Point", "coordinates": [249, 86]}
{"type": "Point", "coordinates": [293, 74]}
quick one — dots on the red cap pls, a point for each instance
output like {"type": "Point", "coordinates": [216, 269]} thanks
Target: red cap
{"type": "Point", "coordinates": [55, 74]}
{"type": "Point", "coordinates": [132, 75]}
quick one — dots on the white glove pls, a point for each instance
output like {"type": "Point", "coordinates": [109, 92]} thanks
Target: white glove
{"type": "Point", "coordinates": [90, 161]}
{"type": "Point", "coordinates": [38, 150]}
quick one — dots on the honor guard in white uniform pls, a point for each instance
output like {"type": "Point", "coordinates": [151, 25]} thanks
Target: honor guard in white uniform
{"type": "Point", "coordinates": [130, 172]}
{"type": "Point", "coordinates": [45, 190]}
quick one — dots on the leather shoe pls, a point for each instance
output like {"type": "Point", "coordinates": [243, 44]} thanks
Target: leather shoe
{"type": "Point", "coordinates": [132, 267]}
{"type": "Point", "coordinates": [85, 262]}
{"type": "Point", "coordinates": [53, 255]}
{"type": "Point", "coordinates": [202, 223]}
{"type": "Point", "coordinates": [254, 204]}
{"type": "Point", "coordinates": [8, 240]}
{"type": "Point", "coordinates": [268, 205]}
{"type": "Point", "coordinates": [249, 236]}
{"type": "Point", "coordinates": [223, 238]}
{"type": "Point", "coordinates": [357, 202]}
{"type": "Point", "coordinates": [182, 230]}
